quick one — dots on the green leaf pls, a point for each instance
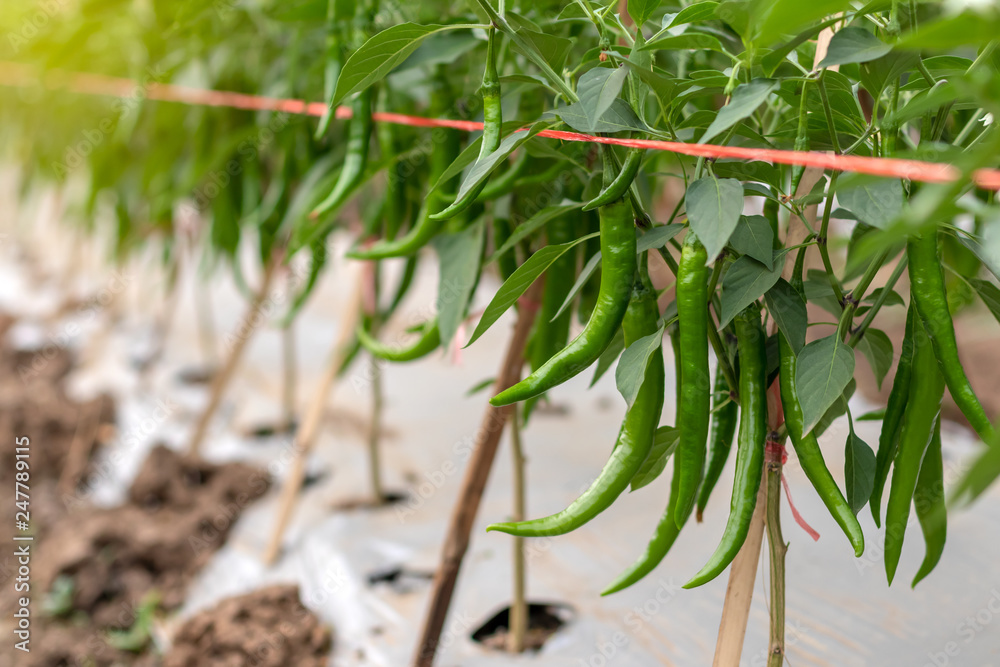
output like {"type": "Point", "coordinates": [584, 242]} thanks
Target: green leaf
{"type": "Point", "coordinates": [657, 237]}
{"type": "Point", "coordinates": [641, 10]}
{"type": "Point", "coordinates": [967, 29]}
{"type": "Point", "coordinates": [664, 443]}
{"type": "Point", "coordinates": [618, 118]}
{"type": "Point", "coordinates": [877, 202]}
{"type": "Point", "coordinates": [988, 250]}
{"type": "Point", "coordinates": [746, 281]}
{"type": "Point", "coordinates": [458, 256]}
{"type": "Point", "coordinates": [775, 18]}
{"type": "Point", "coordinates": [713, 208]}
{"type": "Point", "coordinates": [552, 48]}
{"type": "Point", "coordinates": [692, 41]}
{"type": "Point", "coordinates": [877, 348]}
{"type": "Point", "coordinates": [608, 357]}
{"type": "Point", "coordinates": [483, 167]}
{"type": "Point", "coordinates": [585, 273]}
{"type": "Point", "coordinates": [788, 309]}
{"type": "Point", "coordinates": [598, 89]}
{"type": "Point", "coordinates": [824, 368]}
{"type": "Point", "coordinates": [989, 293]}
{"type": "Point", "coordinates": [526, 228]}
{"type": "Point", "coordinates": [854, 45]}
{"type": "Point", "coordinates": [519, 281]}
{"type": "Point", "coordinates": [699, 11]}
{"type": "Point", "coordinates": [753, 236]}
{"type": "Point", "coordinates": [381, 54]}
{"type": "Point", "coordinates": [632, 366]}
{"type": "Point", "coordinates": [859, 469]}
{"type": "Point", "coordinates": [745, 100]}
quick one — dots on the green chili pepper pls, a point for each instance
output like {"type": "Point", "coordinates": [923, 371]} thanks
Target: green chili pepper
{"type": "Point", "coordinates": [551, 335]}
{"type": "Point", "coordinates": [505, 183]}
{"type": "Point", "coordinates": [635, 438]}
{"type": "Point", "coordinates": [424, 228]}
{"type": "Point", "coordinates": [663, 538]}
{"type": "Point", "coordinates": [429, 340]}
{"type": "Point", "coordinates": [617, 188]}
{"type": "Point", "coordinates": [922, 409]}
{"type": "Point", "coordinates": [694, 402]}
{"type": "Point", "coordinates": [492, 126]}
{"type": "Point", "coordinates": [809, 454]}
{"type": "Point", "coordinates": [801, 137]}
{"type": "Point", "coordinates": [928, 501]}
{"type": "Point", "coordinates": [618, 266]}
{"type": "Point", "coordinates": [331, 70]}
{"type": "Point", "coordinates": [356, 157]}
{"type": "Point", "coordinates": [395, 210]}
{"type": "Point", "coordinates": [722, 431]}
{"type": "Point", "coordinates": [927, 280]}
{"type": "Point", "coordinates": [752, 438]}
{"type": "Point", "coordinates": [888, 439]}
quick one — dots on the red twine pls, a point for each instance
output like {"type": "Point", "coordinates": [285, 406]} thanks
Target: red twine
{"type": "Point", "coordinates": [775, 451]}
{"type": "Point", "coordinates": [13, 74]}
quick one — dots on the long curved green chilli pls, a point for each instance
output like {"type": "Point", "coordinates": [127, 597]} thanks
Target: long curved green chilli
{"type": "Point", "coordinates": [617, 188]}
{"type": "Point", "coordinates": [695, 397]}
{"type": "Point", "coordinates": [927, 287]}
{"type": "Point", "coordinates": [428, 341]}
{"type": "Point", "coordinates": [492, 125]}
{"type": "Point", "coordinates": [618, 266]}
{"type": "Point", "coordinates": [720, 438]}
{"type": "Point", "coordinates": [356, 156]}
{"type": "Point", "coordinates": [750, 449]}
{"type": "Point", "coordinates": [424, 228]}
{"type": "Point", "coordinates": [922, 410]}
{"type": "Point", "coordinates": [635, 438]}
{"type": "Point", "coordinates": [928, 502]}
{"type": "Point", "coordinates": [888, 439]}
{"type": "Point", "coordinates": [809, 454]}
{"type": "Point", "coordinates": [659, 544]}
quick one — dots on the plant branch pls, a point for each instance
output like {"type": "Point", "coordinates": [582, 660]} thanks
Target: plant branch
{"type": "Point", "coordinates": [822, 240]}
{"type": "Point", "coordinates": [776, 544]}
{"type": "Point", "coordinates": [473, 484]}
{"type": "Point", "coordinates": [518, 606]}
{"type": "Point", "coordinates": [879, 302]}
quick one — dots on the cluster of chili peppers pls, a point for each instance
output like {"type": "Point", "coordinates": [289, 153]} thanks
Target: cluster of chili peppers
{"type": "Point", "coordinates": [708, 406]}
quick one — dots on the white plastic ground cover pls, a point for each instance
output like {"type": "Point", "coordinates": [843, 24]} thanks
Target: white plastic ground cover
{"type": "Point", "coordinates": [839, 610]}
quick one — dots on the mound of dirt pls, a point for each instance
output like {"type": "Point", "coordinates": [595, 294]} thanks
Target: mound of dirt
{"type": "Point", "coordinates": [180, 512]}
{"type": "Point", "coordinates": [266, 628]}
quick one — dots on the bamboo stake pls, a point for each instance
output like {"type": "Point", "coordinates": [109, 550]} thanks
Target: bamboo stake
{"type": "Point", "coordinates": [776, 544]}
{"type": "Point", "coordinates": [739, 592]}
{"type": "Point", "coordinates": [225, 374]}
{"type": "Point", "coordinates": [375, 437]}
{"type": "Point", "coordinates": [289, 376]}
{"type": "Point", "coordinates": [305, 436]}
{"type": "Point", "coordinates": [518, 606]}
{"type": "Point", "coordinates": [473, 484]}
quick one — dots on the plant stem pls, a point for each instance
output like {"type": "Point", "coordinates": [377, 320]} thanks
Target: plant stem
{"type": "Point", "coordinates": [852, 300]}
{"type": "Point", "coordinates": [473, 484]}
{"type": "Point", "coordinates": [375, 438]}
{"type": "Point", "coordinates": [776, 544]}
{"type": "Point", "coordinates": [206, 327]}
{"type": "Point", "coordinates": [290, 374]}
{"type": "Point", "coordinates": [822, 240]}
{"type": "Point", "coordinates": [870, 315]}
{"type": "Point", "coordinates": [828, 112]}
{"type": "Point", "coordinates": [305, 436]}
{"type": "Point", "coordinates": [225, 374]}
{"type": "Point", "coordinates": [518, 606]}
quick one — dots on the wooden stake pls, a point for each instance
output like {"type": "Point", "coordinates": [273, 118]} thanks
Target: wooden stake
{"type": "Point", "coordinates": [305, 436]}
{"type": "Point", "coordinates": [473, 484]}
{"type": "Point", "coordinates": [518, 607]}
{"type": "Point", "coordinates": [225, 374]}
{"type": "Point", "coordinates": [739, 592]}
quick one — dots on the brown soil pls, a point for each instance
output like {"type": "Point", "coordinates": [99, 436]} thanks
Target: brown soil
{"type": "Point", "coordinates": [180, 511]}
{"type": "Point", "coordinates": [266, 628]}
{"type": "Point", "coordinates": [544, 620]}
